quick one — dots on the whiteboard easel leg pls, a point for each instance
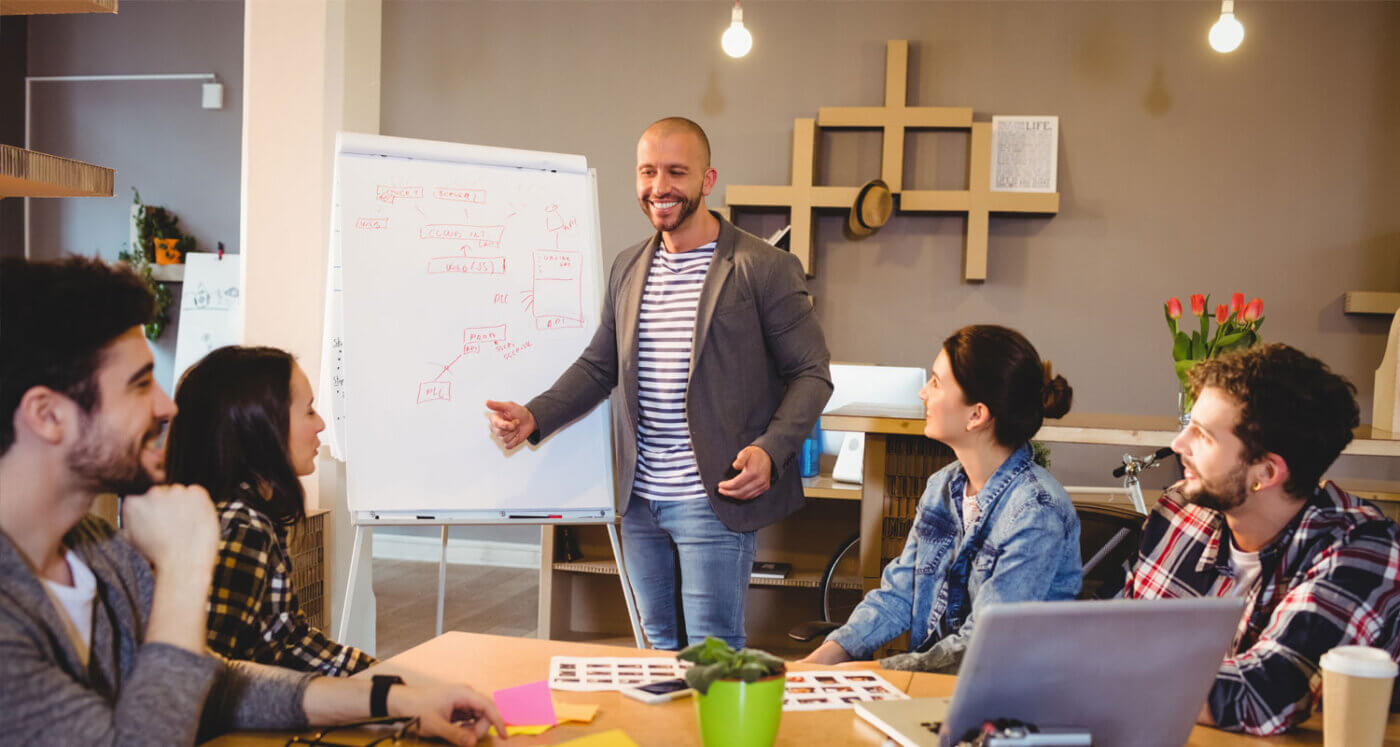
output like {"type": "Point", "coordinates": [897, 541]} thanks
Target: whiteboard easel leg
{"type": "Point", "coordinates": [350, 584]}
{"type": "Point", "coordinates": [442, 578]}
{"type": "Point", "coordinates": [626, 586]}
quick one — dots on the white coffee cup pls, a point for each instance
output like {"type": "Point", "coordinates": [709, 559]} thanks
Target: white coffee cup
{"type": "Point", "coordinates": [1356, 685]}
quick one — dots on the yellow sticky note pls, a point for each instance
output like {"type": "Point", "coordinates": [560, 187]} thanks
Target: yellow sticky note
{"type": "Point", "coordinates": [609, 738]}
{"type": "Point", "coordinates": [528, 731]}
{"type": "Point", "coordinates": [575, 712]}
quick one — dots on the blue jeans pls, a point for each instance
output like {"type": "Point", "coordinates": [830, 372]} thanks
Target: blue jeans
{"type": "Point", "coordinates": [715, 564]}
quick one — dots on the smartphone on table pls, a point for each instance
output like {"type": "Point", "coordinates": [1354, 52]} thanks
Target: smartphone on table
{"type": "Point", "coordinates": [659, 692]}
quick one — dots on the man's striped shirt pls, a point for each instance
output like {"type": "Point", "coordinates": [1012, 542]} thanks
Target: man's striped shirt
{"type": "Point", "coordinates": [666, 468]}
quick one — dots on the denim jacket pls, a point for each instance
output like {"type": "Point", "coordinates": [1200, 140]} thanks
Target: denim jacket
{"type": "Point", "coordinates": [1023, 547]}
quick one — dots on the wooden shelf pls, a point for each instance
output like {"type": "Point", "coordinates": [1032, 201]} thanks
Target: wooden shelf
{"type": "Point", "coordinates": [1372, 302]}
{"type": "Point", "coordinates": [168, 273]}
{"type": "Point", "coordinates": [47, 7]}
{"type": "Point", "coordinates": [1080, 428]}
{"type": "Point", "coordinates": [28, 173]}
{"type": "Point", "coordinates": [822, 486]}
{"type": "Point", "coordinates": [797, 580]}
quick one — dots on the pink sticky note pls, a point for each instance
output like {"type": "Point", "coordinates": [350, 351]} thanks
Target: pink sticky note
{"type": "Point", "coordinates": [526, 705]}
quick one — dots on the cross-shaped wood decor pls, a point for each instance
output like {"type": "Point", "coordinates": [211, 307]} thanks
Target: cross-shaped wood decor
{"type": "Point", "coordinates": [895, 116]}
{"type": "Point", "coordinates": [977, 201]}
{"type": "Point", "coordinates": [802, 197]}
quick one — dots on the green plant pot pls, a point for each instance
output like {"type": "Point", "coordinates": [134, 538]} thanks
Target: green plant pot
{"type": "Point", "coordinates": [740, 714]}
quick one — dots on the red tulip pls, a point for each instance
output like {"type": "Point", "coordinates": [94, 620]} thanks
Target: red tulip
{"type": "Point", "coordinates": [1174, 307]}
{"type": "Point", "coordinates": [1222, 314]}
{"type": "Point", "coordinates": [1236, 303]}
{"type": "Point", "coordinates": [1198, 304]}
{"type": "Point", "coordinates": [1254, 310]}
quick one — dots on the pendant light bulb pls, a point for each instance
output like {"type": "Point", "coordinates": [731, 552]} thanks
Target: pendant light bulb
{"type": "Point", "coordinates": [1227, 33]}
{"type": "Point", "coordinates": [736, 41]}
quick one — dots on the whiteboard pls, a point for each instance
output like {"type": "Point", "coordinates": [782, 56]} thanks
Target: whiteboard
{"type": "Point", "coordinates": [460, 274]}
{"type": "Point", "coordinates": [209, 308]}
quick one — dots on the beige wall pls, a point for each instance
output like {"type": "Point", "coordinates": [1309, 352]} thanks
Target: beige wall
{"type": "Point", "coordinates": [1273, 171]}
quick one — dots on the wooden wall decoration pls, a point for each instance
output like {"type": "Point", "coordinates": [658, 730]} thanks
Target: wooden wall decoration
{"type": "Point", "coordinates": [978, 201]}
{"type": "Point", "coordinates": [801, 197]}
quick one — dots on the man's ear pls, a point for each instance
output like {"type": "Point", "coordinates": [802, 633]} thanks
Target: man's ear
{"type": "Point", "coordinates": [1269, 471]}
{"type": "Point", "coordinates": [708, 183]}
{"type": "Point", "coordinates": [45, 413]}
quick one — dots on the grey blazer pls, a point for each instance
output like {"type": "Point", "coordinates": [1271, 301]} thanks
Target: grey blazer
{"type": "Point", "coordinates": [759, 371]}
{"type": "Point", "coordinates": [132, 691]}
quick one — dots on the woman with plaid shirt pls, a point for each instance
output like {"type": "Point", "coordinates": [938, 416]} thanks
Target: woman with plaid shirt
{"type": "Point", "coordinates": [246, 431]}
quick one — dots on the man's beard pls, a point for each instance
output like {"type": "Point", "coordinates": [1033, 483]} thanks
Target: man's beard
{"type": "Point", "coordinates": [686, 209]}
{"type": "Point", "coordinates": [1223, 496]}
{"type": "Point", "coordinates": [100, 461]}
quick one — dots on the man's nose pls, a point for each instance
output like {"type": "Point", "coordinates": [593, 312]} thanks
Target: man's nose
{"type": "Point", "coordinates": [164, 405]}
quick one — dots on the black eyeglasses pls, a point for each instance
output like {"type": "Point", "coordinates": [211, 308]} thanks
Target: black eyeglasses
{"type": "Point", "coordinates": [404, 728]}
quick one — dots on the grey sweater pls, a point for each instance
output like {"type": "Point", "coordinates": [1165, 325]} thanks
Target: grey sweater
{"type": "Point", "coordinates": [132, 692]}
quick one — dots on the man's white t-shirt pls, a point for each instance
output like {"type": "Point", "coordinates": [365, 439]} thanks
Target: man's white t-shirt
{"type": "Point", "coordinates": [1246, 568]}
{"type": "Point", "coordinates": [76, 601]}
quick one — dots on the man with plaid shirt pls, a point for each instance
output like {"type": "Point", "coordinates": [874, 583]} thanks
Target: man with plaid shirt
{"type": "Point", "coordinates": [1317, 567]}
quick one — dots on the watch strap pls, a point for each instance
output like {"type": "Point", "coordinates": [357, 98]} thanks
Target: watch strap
{"type": "Point", "coordinates": [379, 694]}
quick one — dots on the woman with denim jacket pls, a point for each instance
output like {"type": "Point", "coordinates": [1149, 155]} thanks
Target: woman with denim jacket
{"type": "Point", "coordinates": [991, 527]}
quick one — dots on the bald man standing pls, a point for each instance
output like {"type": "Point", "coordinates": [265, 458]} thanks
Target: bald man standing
{"type": "Point", "coordinates": [710, 334]}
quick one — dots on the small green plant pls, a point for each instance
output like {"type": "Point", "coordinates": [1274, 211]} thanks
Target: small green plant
{"type": "Point", "coordinates": [715, 660]}
{"type": "Point", "coordinates": [1040, 454]}
{"type": "Point", "coordinates": [138, 262]}
{"type": "Point", "coordinates": [155, 222]}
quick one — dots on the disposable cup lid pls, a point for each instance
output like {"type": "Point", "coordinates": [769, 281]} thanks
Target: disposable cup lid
{"type": "Point", "coordinates": [1359, 661]}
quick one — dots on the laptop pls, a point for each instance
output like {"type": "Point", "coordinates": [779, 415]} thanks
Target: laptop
{"type": "Point", "coordinates": [1129, 672]}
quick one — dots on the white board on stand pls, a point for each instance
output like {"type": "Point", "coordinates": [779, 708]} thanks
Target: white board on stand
{"type": "Point", "coordinates": [460, 274]}
{"type": "Point", "coordinates": [209, 308]}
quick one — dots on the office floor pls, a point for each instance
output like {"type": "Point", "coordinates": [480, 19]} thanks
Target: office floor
{"type": "Point", "coordinates": [480, 599]}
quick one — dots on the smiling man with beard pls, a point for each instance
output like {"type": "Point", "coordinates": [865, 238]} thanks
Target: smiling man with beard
{"type": "Point", "coordinates": [102, 635]}
{"type": "Point", "coordinates": [1317, 567]}
{"type": "Point", "coordinates": [709, 333]}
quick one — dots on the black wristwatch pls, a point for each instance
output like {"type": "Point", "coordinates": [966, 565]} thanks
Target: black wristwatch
{"type": "Point", "coordinates": [379, 694]}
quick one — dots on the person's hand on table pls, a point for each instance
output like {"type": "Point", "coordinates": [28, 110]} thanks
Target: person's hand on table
{"type": "Point", "coordinates": [755, 474]}
{"type": "Point", "coordinates": [455, 713]}
{"type": "Point", "coordinates": [829, 653]}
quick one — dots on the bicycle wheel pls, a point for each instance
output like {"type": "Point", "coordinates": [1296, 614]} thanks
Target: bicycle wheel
{"type": "Point", "coordinates": [841, 582]}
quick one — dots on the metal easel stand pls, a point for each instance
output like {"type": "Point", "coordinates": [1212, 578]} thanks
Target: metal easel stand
{"type": "Point", "coordinates": [626, 587]}
{"type": "Point", "coordinates": [360, 535]}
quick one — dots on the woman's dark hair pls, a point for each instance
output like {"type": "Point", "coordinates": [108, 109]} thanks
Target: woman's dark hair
{"type": "Point", "coordinates": [231, 429]}
{"type": "Point", "coordinates": [999, 367]}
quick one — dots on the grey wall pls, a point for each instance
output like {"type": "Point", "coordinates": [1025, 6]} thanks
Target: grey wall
{"type": "Point", "coordinates": [155, 134]}
{"type": "Point", "coordinates": [1271, 171]}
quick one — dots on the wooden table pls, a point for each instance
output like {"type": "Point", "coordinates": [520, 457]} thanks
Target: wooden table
{"type": "Point", "coordinates": [489, 663]}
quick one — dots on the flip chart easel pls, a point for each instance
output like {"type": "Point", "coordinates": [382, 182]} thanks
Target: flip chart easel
{"type": "Point", "coordinates": [365, 527]}
{"type": "Point", "coordinates": [457, 274]}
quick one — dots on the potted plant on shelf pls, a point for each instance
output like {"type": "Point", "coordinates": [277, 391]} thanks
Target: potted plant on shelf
{"type": "Point", "coordinates": [157, 232]}
{"type": "Point", "coordinates": [739, 698]}
{"type": "Point", "coordinates": [1236, 326]}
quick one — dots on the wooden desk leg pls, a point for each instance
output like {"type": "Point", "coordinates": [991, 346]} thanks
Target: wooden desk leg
{"type": "Point", "coordinates": [872, 508]}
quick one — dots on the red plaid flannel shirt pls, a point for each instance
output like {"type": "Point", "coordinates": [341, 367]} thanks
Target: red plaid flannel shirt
{"type": "Point", "coordinates": [1331, 578]}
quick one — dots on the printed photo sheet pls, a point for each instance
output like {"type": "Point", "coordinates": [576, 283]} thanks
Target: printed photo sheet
{"type": "Point", "coordinates": [826, 690]}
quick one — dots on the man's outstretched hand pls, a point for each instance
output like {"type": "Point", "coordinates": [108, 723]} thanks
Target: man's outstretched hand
{"type": "Point", "coordinates": [510, 422]}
